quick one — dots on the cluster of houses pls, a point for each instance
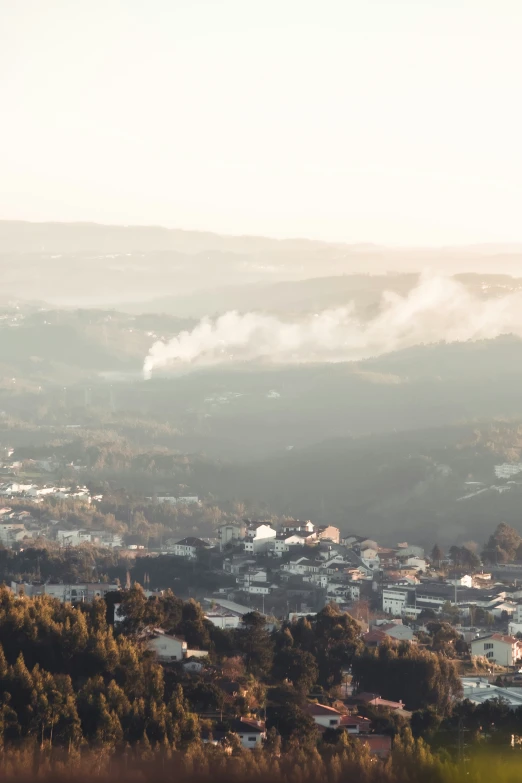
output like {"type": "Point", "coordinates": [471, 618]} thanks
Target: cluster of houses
{"type": "Point", "coordinates": [35, 493]}
{"type": "Point", "coordinates": [311, 563]}
{"type": "Point", "coordinates": [20, 527]}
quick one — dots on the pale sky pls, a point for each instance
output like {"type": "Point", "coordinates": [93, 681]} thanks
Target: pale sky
{"type": "Point", "coordinates": [391, 121]}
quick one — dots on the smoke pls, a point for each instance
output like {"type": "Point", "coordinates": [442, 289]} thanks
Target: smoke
{"type": "Point", "coordinates": [436, 310]}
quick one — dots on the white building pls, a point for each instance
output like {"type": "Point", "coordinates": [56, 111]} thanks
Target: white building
{"type": "Point", "coordinates": [304, 528]}
{"type": "Point", "coordinates": [324, 716]}
{"type": "Point", "coordinates": [189, 547]}
{"type": "Point", "coordinates": [260, 538]}
{"type": "Point", "coordinates": [394, 600]}
{"type": "Point", "coordinates": [301, 566]}
{"type": "Point", "coordinates": [504, 650]}
{"type": "Point", "coordinates": [508, 469]}
{"type": "Point", "coordinates": [478, 691]}
{"type": "Point", "coordinates": [167, 647]}
{"type": "Point", "coordinates": [223, 620]}
{"type": "Point", "coordinates": [85, 592]}
{"type": "Point", "coordinates": [11, 533]}
{"type": "Point", "coordinates": [231, 533]}
{"type": "Point", "coordinates": [409, 550]}
{"type": "Point", "coordinates": [283, 542]}
{"type": "Point", "coordinates": [251, 733]}
{"type": "Point", "coordinates": [15, 488]}
{"type": "Point", "coordinates": [73, 537]}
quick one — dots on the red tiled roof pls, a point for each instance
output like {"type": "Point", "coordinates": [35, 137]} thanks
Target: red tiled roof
{"type": "Point", "coordinates": [379, 744]}
{"type": "Point", "coordinates": [373, 698]}
{"type": "Point", "coordinates": [320, 709]}
{"type": "Point", "coordinates": [374, 637]}
{"type": "Point", "coordinates": [498, 637]}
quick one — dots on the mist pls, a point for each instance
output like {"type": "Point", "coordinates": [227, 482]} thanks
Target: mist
{"type": "Point", "coordinates": [438, 309]}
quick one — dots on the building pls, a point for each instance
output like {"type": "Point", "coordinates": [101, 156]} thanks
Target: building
{"type": "Point", "coordinates": [478, 690]}
{"type": "Point", "coordinates": [223, 619]}
{"type": "Point", "coordinates": [379, 745]}
{"type": "Point", "coordinates": [295, 526]}
{"type": "Point", "coordinates": [85, 592]}
{"type": "Point", "coordinates": [229, 607]}
{"type": "Point", "coordinates": [73, 537]}
{"type": "Point", "coordinates": [504, 650]}
{"type": "Point", "coordinates": [259, 538]}
{"type": "Point", "coordinates": [508, 469]}
{"type": "Point", "coordinates": [231, 533]}
{"type": "Point", "coordinates": [283, 542]}
{"type": "Point", "coordinates": [355, 724]}
{"type": "Point", "coordinates": [324, 716]}
{"type": "Point", "coordinates": [167, 647]}
{"type": "Point", "coordinates": [251, 733]}
{"type": "Point", "coordinates": [11, 533]}
{"type": "Point", "coordinates": [189, 547]}
{"type": "Point", "coordinates": [328, 533]}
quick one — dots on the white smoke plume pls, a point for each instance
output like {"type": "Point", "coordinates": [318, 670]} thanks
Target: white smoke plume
{"type": "Point", "coordinates": [436, 310]}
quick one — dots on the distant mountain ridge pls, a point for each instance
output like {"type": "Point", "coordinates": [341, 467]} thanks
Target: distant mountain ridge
{"type": "Point", "coordinates": [33, 237]}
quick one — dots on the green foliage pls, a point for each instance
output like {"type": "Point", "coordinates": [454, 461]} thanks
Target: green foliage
{"type": "Point", "coordinates": [418, 677]}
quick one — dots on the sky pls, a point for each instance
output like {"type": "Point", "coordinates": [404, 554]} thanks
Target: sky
{"type": "Point", "coordinates": [389, 121]}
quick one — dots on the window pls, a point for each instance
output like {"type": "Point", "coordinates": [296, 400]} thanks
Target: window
{"type": "Point", "coordinates": [333, 722]}
{"type": "Point", "coordinates": [488, 646]}
{"type": "Point", "coordinates": [489, 654]}
{"type": "Point", "coordinates": [251, 739]}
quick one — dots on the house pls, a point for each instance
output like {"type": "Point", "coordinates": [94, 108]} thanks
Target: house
{"type": "Point", "coordinates": [379, 745]}
{"type": "Point", "coordinates": [11, 532]}
{"type": "Point", "coordinates": [66, 593]}
{"type": "Point", "coordinates": [355, 724]}
{"type": "Point", "coordinates": [461, 580]}
{"type": "Point", "coordinates": [73, 537]}
{"type": "Point", "coordinates": [189, 547]}
{"type": "Point", "coordinates": [283, 542]}
{"type": "Point", "coordinates": [479, 690]}
{"type": "Point", "coordinates": [251, 733]}
{"type": "Point", "coordinates": [397, 631]}
{"type": "Point", "coordinates": [193, 663]}
{"type": "Point", "coordinates": [166, 646]}
{"type": "Point", "coordinates": [374, 700]}
{"type": "Point", "coordinates": [301, 566]}
{"type": "Point", "coordinates": [259, 538]}
{"type": "Point", "coordinates": [409, 550]}
{"type": "Point", "coordinates": [231, 533]}
{"type": "Point", "coordinates": [328, 533]}
{"type": "Point", "coordinates": [374, 638]}
{"type": "Point", "coordinates": [504, 650]}
{"type": "Point", "coordinates": [295, 526]}
{"type": "Point", "coordinates": [324, 716]}
{"type": "Point", "coordinates": [223, 619]}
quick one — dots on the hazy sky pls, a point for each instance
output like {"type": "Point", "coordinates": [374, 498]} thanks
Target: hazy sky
{"type": "Point", "coordinates": [396, 121]}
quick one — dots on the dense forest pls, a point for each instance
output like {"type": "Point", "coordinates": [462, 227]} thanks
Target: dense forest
{"type": "Point", "coordinates": [76, 693]}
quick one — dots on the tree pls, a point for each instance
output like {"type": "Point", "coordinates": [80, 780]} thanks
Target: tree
{"type": "Point", "coordinates": [436, 555]}
{"type": "Point", "coordinates": [502, 545]}
{"type": "Point", "coordinates": [297, 666]}
{"type": "Point", "coordinates": [255, 642]}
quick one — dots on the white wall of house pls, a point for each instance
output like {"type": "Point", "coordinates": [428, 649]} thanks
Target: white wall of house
{"type": "Point", "coordinates": [328, 721]}
{"type": "Point", "coordinates": [504, 653]}
{"type": "Point", "coordinates": [252, 739]}
{"type": "Point", "coordinates": [224, 621]}
{"type": "Point", "coordinates": [393, 601]}
{"type": "Point", "coordinates": [167, 648]}
{"type": "Point", "coordinates": [261, 539]}
{"type": "Point", "coordinates": [183, 550]}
